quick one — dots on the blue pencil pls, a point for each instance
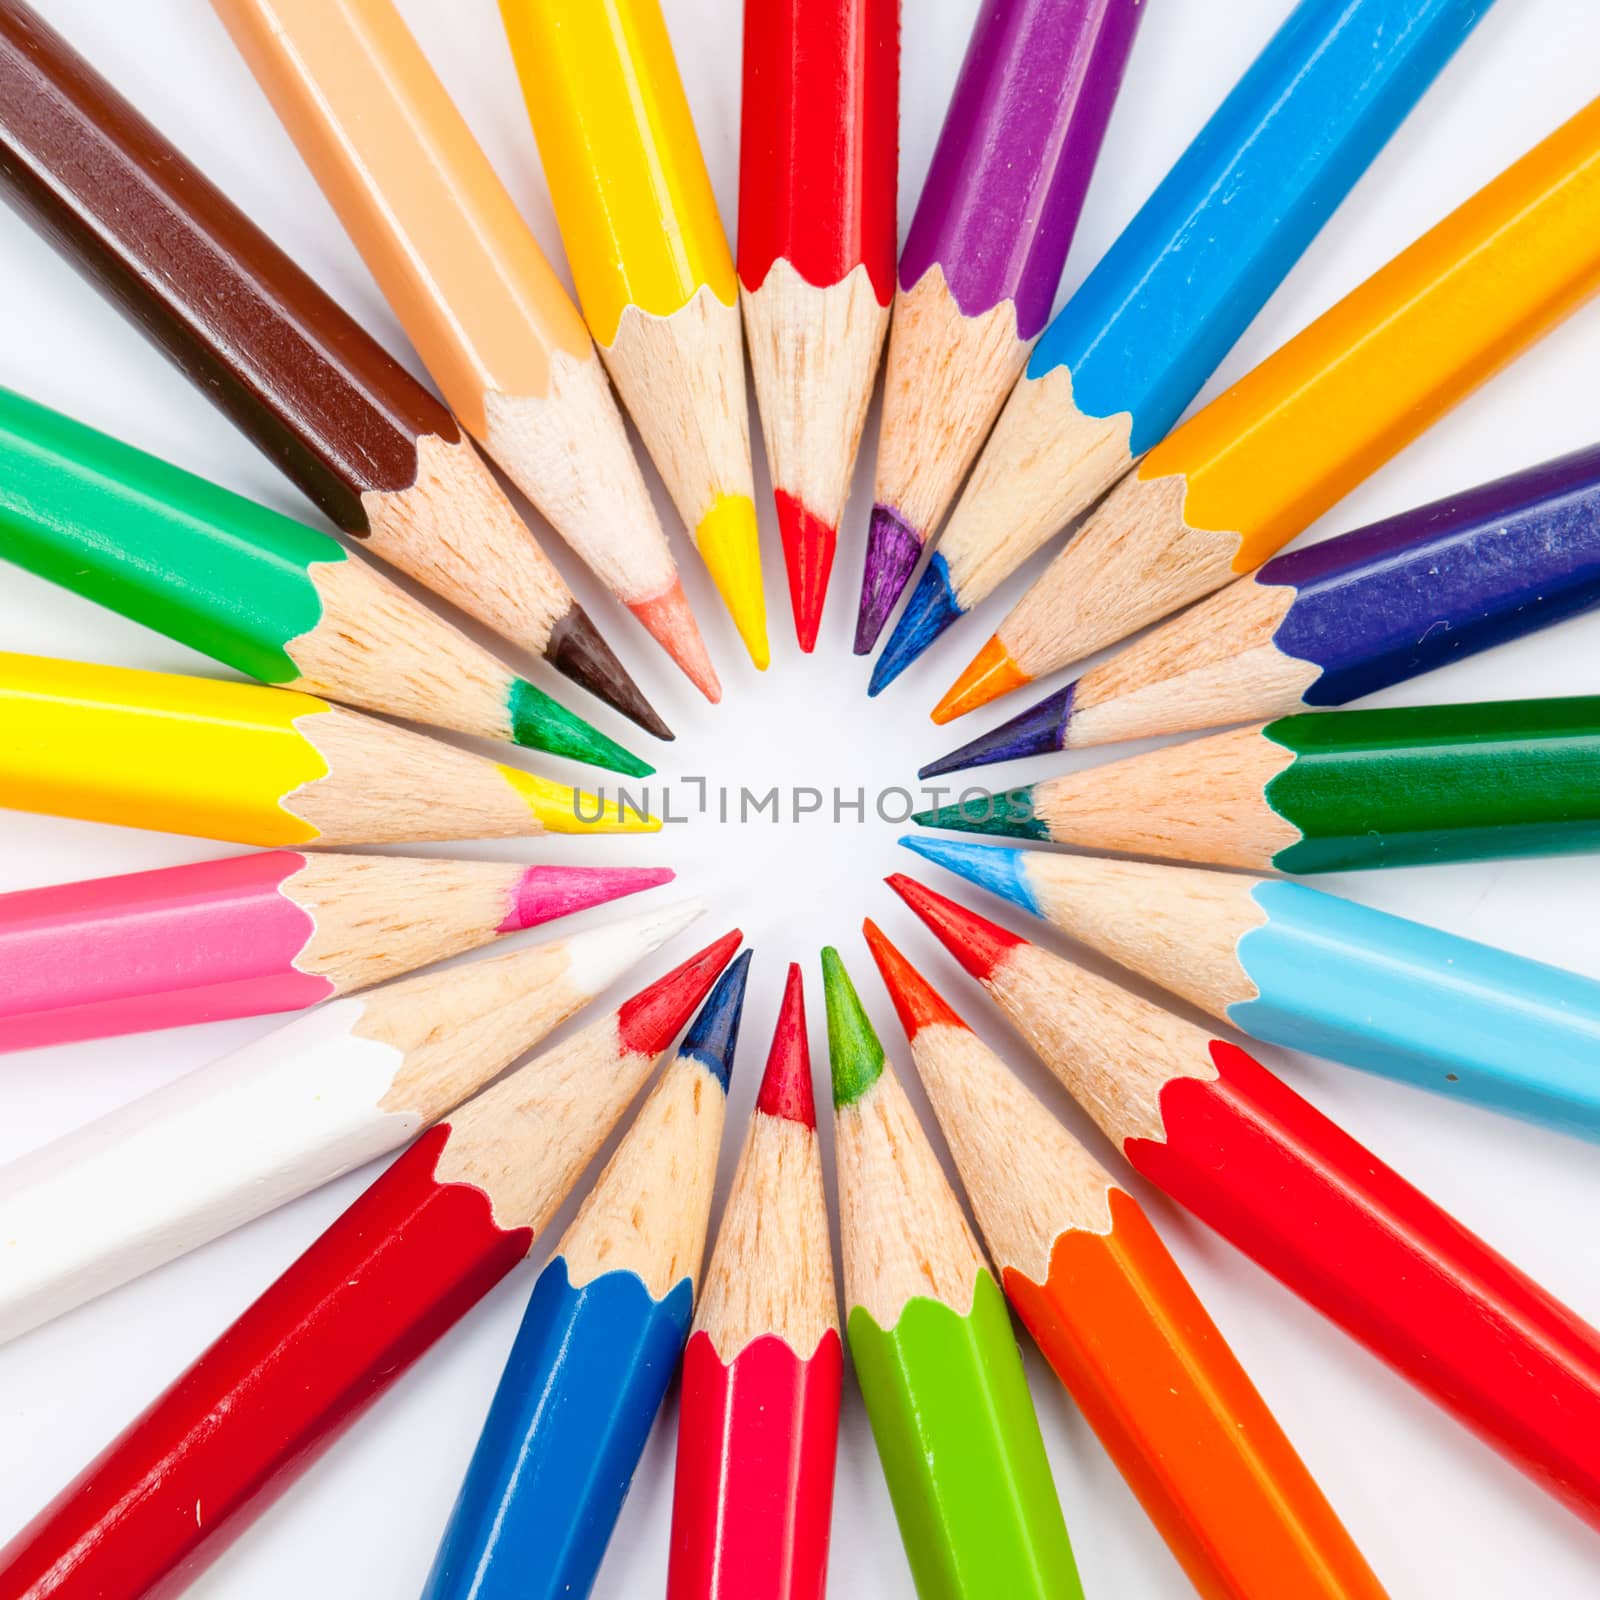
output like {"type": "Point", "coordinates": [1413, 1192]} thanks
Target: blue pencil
{"type": "Point", "coordinates": [1115, 370]}
{"type": "Point", "coordinates": [600, 1341]}
{"type": "Point", "coordinates": [1294, 966]}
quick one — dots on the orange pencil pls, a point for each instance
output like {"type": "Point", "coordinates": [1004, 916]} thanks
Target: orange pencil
{"type": "Point", "coordinates": [1124, 1331]}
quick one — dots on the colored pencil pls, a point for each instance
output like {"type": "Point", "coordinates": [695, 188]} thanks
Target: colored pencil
{"type": "Point", "coordinates": [599, 1343]}
{"type": "Point", "coordinates": [1123, 1330]}
{"type": "Point", "coordinates": [1331, 791]}
{"type": "Point", "coordinates": [446, 1222]}
{"type": "Point", "coordinates": [651, 263]}
{"type": "Point", "coordinates": [1340, 619]}
{"type": "Point", "coordinates": [256, 765]}
{"type": "Point", "coordinates": [248, 935]}
{"type": "Point", "coordinates": [758, 1416]}
{"type": "Point", "coordinates": [932, 1344]}
{"type": "Point", "coordinates": [322, 1095]}
{"type": "Point", "coordinates": [469, 284]}
{"type": "Point", "coordinates": [1226, 1139]}
{"type": "Point", "coordinates": [1293, 966]}
{"type": "Point", "coordinates": [1136, 343]}
{"type": "Point", "coordinates": [983, 260]}
{"type": "Point", "coordinates": [818, 161]}
{"type": "Point", "coordinates": [255, 590]}
{"type": "Point", "coordinates": [305, 382]}
{"type": "Point", "coordinates": [1242, 477]}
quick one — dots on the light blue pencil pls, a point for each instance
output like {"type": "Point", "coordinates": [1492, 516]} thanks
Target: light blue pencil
{"type": "Point", "coordinates": [1297, 967]}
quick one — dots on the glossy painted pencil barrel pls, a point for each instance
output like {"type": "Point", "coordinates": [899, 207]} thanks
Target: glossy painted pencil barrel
{"type": "Point", "coordinates": [938, 1364]}
{"type": "Point", "coordinates": [468, 282]}
{"type": "Point", "coordinates": [651, 263]}
{"type": "Point", "coordinates": [1340, 619]}
{"type": "Point", "coordinates": [1331, 791]}
{"type": "Point", "coordinates": [1225, 1138]}
{"type": "Point", "coordinates": [306, 383]}
{"type": "Point", "coordinates": [255, 765]}
{"type": "Point", "coordinates": [983, 258]}
{"type": "Point", "coordinates": [1140, 337]}
{"type": "Point", "coordinates": [818, 157]}
{"type": "Point", "coordinates": [248, 935]}
{"type": "Point", "coordinates": [1239, 479]}
{"type": "Point", "coordinates": [758, 1416]}
{"type": "Point", "coordinates": [1292, 966]}
{"type": "Point", "coordinates": [257, 591]}
{"type": "Point", "coordinates": [1123, 1330]}
{"type": "Point", "coordinates": [598, 1345]}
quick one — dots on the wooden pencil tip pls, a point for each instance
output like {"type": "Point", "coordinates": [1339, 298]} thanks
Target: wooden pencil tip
{"type": "Point", "coordinates": [978, 944]}
{"type": "Point", "coordinates": [786, 1090]}
{"type": "Point", "coordinates": [1011, 813]}
{"type": "Point", "coordinates": [729, 545]}
{"type": "Point", "coordinates": [650, 1020]}
{"type": "Point", "coordinates": [808, 547]}
{"type": "Point", "coordinates": [990, 674]}
{"type": "Point", "coordinates": [577, 651]}
{"type": "Point", "coordinates": [855, 1055]}
{"type": "Point", "coordinates": [668, 620]}
{"type": "Point", "coordinates": [713, 1036]}
{"type": "Point", "coordinates": [916, 1002]}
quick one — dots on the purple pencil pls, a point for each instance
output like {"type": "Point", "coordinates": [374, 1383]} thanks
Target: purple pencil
{"type": "Point", "coordinates": [984, 256]}
{"type": "Point", "coordinates": [1340, 619]}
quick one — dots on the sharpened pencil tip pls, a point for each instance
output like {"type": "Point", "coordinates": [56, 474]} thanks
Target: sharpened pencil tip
{"type": "Point", "coordinates": [577, 651]}
{"type": "Point", "coordinates": [855, 1055]}
{"type": "Point", "coordinates": [729, 544]}
{"type": "Point", "coordinates": [893, 549]}
{"type": "Point", "coordinates": [666, 617]}
{"type": "Point", "coordinates": [649, 1021]}
{"type": "Point", "coordinates": [808, 548]}
{"type": "Point", "coordinates": [932, 608]}
{"type": "Point", "coordinates": [713, 1036]}
{"type": "Point", "coordinates": [1001, 869]}
{"type": "Point", "coordinates": [1010, 812]}
{"type": "Point", "coordinates": [539, 722]}
{"type": "Point", "coordinates": [1038, 731]}
{"type": "Point", "coordinates": [990, 674]}
{"type": "Point", "coordinates": [916, 1002]}
{"type": "Point", "coordinates": [786, 1090]}
{"type": "Point", "coordinates": [541, 894]}
{"type": "Point", "coordinates": [978, 944]}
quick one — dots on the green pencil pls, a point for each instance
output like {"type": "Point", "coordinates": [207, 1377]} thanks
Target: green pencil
{"type": "Point", "coordinates": [933, 1348]}
{"type": "Point", "coordinates": [1330, 791]}
{"type": "Point", "coordinates": [254, 589]}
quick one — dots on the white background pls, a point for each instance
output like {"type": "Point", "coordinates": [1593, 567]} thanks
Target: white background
{"type": "Point", "coordinates": [1436, 1512]}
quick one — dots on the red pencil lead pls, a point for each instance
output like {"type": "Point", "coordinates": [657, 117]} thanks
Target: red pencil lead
{"type": "Point", "coordinates": [978, 944]}
{"type": "Point", "coordinates": [916, 1001]}
{"type": "Point", "coordinates": [650, 1020]}
{"type": "Point", "coordinates": [786, 1084]}
{"type": "Point", "coordinates": [808, 545]}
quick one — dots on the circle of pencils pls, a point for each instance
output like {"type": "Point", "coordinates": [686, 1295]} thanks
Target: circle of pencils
{"type": "Point", "coordinates": [490, 1085]}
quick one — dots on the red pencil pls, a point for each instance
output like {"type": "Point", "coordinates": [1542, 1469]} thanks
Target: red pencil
{"type": "Point", "coordinates": [759, 1420]}
{"type": "Point", "coordinates": [818, 157]}
{"type": "Point", "coordinates": [419, 1249]}
{"type": "Point", "coordinates": [1224, 1137]}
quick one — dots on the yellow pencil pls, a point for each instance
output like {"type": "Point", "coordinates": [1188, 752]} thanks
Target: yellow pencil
{"type": "Point", "coordinates": [651, 263]}
{"type": "Point", "coordinates": [256, 765]}
{"type": "Point", "coordinates": [1243, 476]}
